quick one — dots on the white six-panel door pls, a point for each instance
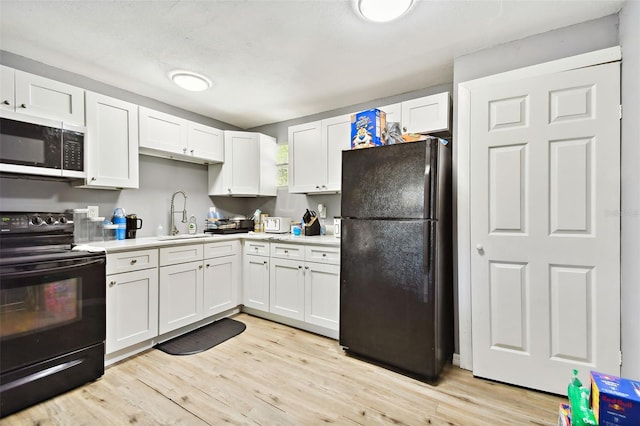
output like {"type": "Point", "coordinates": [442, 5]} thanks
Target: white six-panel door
{"type": "Point", "coordinates": [545, 228]}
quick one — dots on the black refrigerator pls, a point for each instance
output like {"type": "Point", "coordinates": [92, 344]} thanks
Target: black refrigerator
{"type": "Point", "coordinates": [396, 277]}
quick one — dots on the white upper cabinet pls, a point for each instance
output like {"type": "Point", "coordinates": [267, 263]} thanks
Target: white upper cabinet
{"type": "Point", "coordinates": [205, 142]}
{"type": "Point", "coordinates": [393, 112]}
{"type": "Point", "coordinates": [41, 97]}
{"type": "Point", "coordinates": [249, 167]}
{"type": "Point", "coordinates": [162, 132]}
{"type": "Point", "coordinates": [7, 88]}
{"type": "Point", "coordinates": [315, 154]}
{"type": "Point", "coordinates": [111, 157]}
{"type": "Point", "coordinates": [165, 135]}
{"type": "Point", "coordinates": [305, 151]}
{"type": "Point", "coordinates": [428, 114]}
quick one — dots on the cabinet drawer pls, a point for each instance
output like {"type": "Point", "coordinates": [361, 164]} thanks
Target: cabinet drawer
{"type": "Point", "coordinates": [131, 261]}
{"type": "Point", "coordinates": [181, 254]}
{"type": "Point", "coordinates": [287, 251]}
{"type": "Point", "coordinates": [330, 255]}
{"type": "Point", "coordinates": [256, 248]}
{"type": "Point", "coordinates": [224, 248]}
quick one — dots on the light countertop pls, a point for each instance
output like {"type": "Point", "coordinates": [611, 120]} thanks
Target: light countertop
{"type": "Point", "coordinates": [165, 241]}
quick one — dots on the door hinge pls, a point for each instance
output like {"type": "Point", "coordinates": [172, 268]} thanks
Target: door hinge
{"type": "Point", "coordinates": [620, 112]}
{"type": "Point", "coordinates": [620, 358]}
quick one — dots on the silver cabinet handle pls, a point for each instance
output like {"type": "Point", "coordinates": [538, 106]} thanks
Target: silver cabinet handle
{"type": "Point", "coordinates": [404, 129]}
{"type": "Point", "coordinates": [191, 152]}
{"type": "Point", "coordinates": [134, 261]}
{"type": "Point", "coordinates": [112, 283]}
{"type": "Point", "coordinates": [6, 102]}
{"type": "Point", "coordinates": [23, 105]}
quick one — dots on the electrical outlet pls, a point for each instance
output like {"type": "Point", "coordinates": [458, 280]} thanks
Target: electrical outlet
{"type": "Point", "coordinates": [94, 211]}
{"type": "Point", "coordinates": [322, 211]}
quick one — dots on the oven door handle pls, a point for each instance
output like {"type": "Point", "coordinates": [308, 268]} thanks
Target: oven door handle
{"type": "Point", "coordinates": [41, 271]}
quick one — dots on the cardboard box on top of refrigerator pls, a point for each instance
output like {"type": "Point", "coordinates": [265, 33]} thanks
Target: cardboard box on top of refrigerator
{"type": "Point", "coordinates": [564, 415]}
{"type": "Point", "coordinates": [367, 128]}
{"type": "Point", "coordinates": [615, 401]}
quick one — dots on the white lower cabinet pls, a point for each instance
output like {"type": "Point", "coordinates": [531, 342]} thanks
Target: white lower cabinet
{"type": "Point", "coordinates": [191, 288]}
{"type": "Point", "coordinates": [221, 288]}
{"type": "Point", "coordinates": [286, 292]}
{"type": "Point", "coordinates": [181, 286]}
{"type": "Point", "coordinates": [303, 285]}
{"type": "Point", "coordinates": [322, 294]}
{"type": "Point", "coordinates": [132, 298]}
{"type": "Point", "coordinates": [180, 295]}
{"type": "Point", "coordinates": [255, 277]}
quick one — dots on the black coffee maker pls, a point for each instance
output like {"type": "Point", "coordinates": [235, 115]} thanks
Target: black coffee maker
{"type": "Point", "coordinates": [133, 224]}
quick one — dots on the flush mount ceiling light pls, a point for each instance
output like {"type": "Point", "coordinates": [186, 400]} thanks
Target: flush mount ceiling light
{"type": "Point", "coordinates": [383, 10]}
{"type": "Point", "coordinates": [190, 80]}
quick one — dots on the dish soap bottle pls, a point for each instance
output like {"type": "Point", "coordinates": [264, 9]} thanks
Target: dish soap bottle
{"type": "Point", "coordinates": [192, 227]}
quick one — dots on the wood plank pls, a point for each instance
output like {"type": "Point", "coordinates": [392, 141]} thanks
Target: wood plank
{"type": "Point", "coordinates": [275, 374]}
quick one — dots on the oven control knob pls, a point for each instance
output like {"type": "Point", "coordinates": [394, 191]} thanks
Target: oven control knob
{"type": "Point", "coordinates": [37, 220]}
{"type": "Point", "coordinates": [62, 219]}
{"type": "Point", "coordinates": [51, 220]}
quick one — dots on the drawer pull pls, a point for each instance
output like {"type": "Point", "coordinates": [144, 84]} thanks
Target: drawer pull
{"type": "Point", "coordinates": [134, 261]}
{"type": "Point", "coordinates": [324, 254]}
{"type": "Point", "coordinates": [112, 283]}
{"type": "Point", "coordinates": [200, 266]}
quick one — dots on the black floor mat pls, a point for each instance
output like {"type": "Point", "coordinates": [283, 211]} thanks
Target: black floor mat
{"type": "Point", "coordinates": [203, 338]}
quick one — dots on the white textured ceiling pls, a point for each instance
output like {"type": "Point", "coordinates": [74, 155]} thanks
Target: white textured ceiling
{"type": "Point", "coordinates": [272, 60]}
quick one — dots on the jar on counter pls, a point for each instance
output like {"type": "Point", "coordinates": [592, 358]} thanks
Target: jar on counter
{"type": "Point", "coordinates": [95, 229]}
{"type": "Point", "coordinates": [109, 231]}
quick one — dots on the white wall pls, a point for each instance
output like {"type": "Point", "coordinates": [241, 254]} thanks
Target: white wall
{"type": "Point", "coordinates": [630, 209]}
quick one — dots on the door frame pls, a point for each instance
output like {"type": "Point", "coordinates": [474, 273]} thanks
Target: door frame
{"type": "Point", "coordinates": [462, 172]}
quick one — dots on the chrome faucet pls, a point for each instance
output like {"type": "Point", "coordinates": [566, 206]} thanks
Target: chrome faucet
{"type": "Point", "coordinates": [174, 230]}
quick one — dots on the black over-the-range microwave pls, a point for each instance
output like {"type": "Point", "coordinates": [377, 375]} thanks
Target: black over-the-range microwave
{"type": "Point", "coordinates": [35, 146]}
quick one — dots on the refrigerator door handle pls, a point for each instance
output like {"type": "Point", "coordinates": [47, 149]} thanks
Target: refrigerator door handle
{"type": "Point", "coordinates": [428, 212]}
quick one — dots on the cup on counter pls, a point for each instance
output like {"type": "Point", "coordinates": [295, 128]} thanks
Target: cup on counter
{"type": "Point", "coordinates": [297, 231]}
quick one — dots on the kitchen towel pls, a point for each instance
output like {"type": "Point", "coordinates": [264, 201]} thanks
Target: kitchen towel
{"type": "Point", "coordinates": [203, 338]}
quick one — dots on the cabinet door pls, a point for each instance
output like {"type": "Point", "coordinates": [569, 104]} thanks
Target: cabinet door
{"type": "Point", "coordinates": [162, 132]}
{"type": "Point", "coordinates": [132, 308]}
{"type": "Point", "coordinates": [336, 137]}
{"type": "Point", "coordinates": [286, 296]}
{"type": "Point", "coordinates": [322, 294]}
{"type": "Point", "coordinates": [307, 171]}
{"type": "Point", "coordinates": [221, 284]}
{"type": "Point", "coordinates": [427, 114]}
{"type": "Point", "coordinates": [7, 88]}
{"type": "Point", "coordinates": [180, 295]}
{"type": "Point", "coordinates": [243, 169]}
{"type": "Point", "coordinates": [255, 285]}
{"type": "Point", "coordinates": [47, 98]}
{"type": "Point", "coordinates": [206, 143]}
{"type": "Point", "coordinates": [393, 112]}
{"type": "Point", "coordinates": [112, 142]}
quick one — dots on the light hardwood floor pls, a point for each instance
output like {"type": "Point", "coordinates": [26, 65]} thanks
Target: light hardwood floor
{"type": "Point", "coordinates": [272, 374]}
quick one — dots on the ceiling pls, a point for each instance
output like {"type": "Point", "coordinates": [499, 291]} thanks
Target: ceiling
{"type": "Point", "coordinates": [272, 60]}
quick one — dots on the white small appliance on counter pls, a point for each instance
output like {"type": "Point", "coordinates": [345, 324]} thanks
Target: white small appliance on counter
{"type": "Point", "coordinates": [277, 225]}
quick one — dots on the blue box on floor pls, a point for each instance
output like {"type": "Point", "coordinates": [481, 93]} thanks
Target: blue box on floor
{"type": "Point", "coordinates": [615, 401]}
